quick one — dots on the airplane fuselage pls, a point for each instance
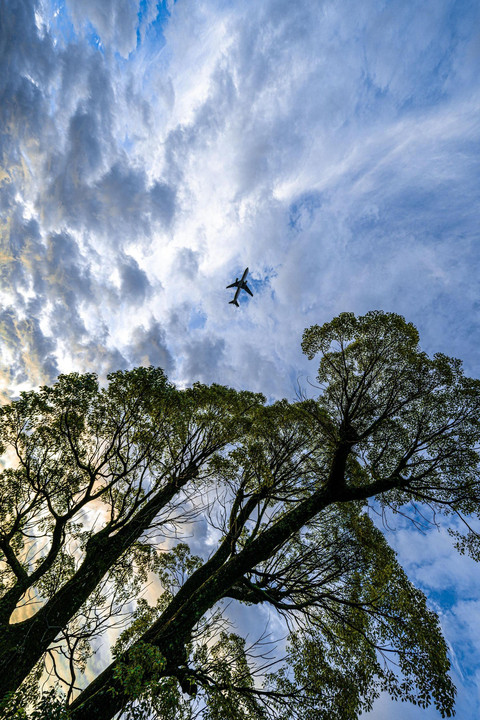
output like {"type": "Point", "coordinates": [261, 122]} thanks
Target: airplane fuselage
{"type": "Point", "coordinates": [237, 292]}
{"type": "Point", "coordinates": [240, 285]}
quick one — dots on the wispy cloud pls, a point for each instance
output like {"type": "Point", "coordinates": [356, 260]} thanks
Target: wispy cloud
{"type": "Point", "coordinates": [151, 152]}
{"type": "Point", "coordinates": [333, 144]}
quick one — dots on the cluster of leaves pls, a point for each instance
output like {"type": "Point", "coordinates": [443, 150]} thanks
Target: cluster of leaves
{"type": "Point", "coordinates": [49, 706]}
{"type": "Point", "coordinates": [170, 569]}
{"type": "Point", "coordinates": [140, 670]}
{"type": "Point", "coordinates": [373, 622]}
{"type": "Point", "coordinates": [106, 478]}
{"type": "Point", "coordinates": [228, 683]}
{"type": "Point", "coordinates": [355, 617]}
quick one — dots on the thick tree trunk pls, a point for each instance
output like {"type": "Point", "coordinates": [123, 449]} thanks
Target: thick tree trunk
{"type": "Point", "coordinates": [172, 632]}
{"type": "Point", "coordinates": [23, 644]}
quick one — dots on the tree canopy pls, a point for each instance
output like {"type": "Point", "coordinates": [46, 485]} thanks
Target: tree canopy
{"type": "Point", "coordinates": [150, 510]}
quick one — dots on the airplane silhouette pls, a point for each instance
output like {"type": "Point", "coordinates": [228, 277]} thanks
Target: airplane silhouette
{"type": "Point", "coordinates": [240, 285]}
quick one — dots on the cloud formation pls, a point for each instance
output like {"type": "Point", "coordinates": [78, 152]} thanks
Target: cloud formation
{"type": "Point", "coordinates": [330, 149]}
{"type": "Point", "coordinates": [149, 152]}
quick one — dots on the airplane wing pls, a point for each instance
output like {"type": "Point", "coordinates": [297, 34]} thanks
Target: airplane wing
{"type": "Point", "coordinates": [245, 287]}
{"type": "Point", "coordinates": [235, 284]}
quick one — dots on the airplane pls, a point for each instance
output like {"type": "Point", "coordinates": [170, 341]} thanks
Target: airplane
{"type": "Point", "coordinates": [240, 285]}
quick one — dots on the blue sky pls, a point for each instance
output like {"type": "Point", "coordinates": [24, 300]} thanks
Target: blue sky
{"type": "Point", "coordinates": [151, 151]}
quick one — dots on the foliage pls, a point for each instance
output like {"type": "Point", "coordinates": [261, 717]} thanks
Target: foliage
{"type": "Point", "coordinates": [49, 706]}
{"type": "Point", "coordinates": [105, 490]}
{"type": "Point", "coordinates": [342, 660]}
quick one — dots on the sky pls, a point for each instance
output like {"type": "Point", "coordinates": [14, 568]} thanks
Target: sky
{"type": "Point", "coordinates": [150, 151]}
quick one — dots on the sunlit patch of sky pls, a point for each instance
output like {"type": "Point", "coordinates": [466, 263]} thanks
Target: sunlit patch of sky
{"type": "Point", "coordinates": [150, 28]}
{"type": "Point", "coordinates": [62, 28]}
{"type": "Point", "coordinates": [59, 22]}
{"type": "Point", "coordinates": [154, 32]}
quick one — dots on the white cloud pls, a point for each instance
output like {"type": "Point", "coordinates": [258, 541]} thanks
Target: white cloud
{"type": "Point", "coordinates": [291, 138]}
{"type": "Point", "coordinates": [331, 147]}
{"type": "Point", "coordinates": [115, 21]}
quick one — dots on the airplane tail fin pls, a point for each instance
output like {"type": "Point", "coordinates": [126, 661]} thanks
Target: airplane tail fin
{"type": "Point", "coordinates": [234, 302]}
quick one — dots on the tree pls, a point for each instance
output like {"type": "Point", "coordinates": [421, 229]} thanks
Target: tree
{"type": "Point", "coordinates": [106, 485]}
